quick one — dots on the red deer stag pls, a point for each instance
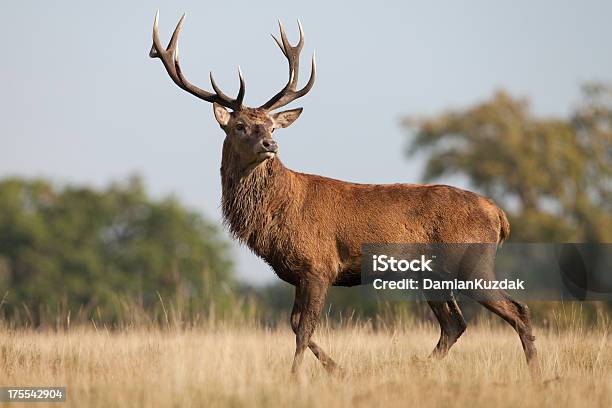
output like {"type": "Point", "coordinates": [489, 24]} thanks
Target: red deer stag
{"type": "Point", "coordinates": [310, 229]}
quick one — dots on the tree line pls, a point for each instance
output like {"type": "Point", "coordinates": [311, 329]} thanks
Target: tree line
{"type": "Point", "coordinates": [99, 253]}
{"type": "Point", "coordinates": [116, 254]}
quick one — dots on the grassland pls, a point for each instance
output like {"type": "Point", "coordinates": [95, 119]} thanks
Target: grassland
{"type": "Point", "coordinates": [249, 366]}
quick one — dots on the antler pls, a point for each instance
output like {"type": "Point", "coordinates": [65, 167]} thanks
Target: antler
{"type": "Point", "coordinates": [170, 59]}
{"type": "Point", "coordinates": [288, 93]}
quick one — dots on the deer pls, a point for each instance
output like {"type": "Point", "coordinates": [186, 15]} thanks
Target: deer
{"type": "Point", "coordinates": [309, 229]}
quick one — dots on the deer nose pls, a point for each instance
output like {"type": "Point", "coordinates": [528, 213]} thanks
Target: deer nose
{"type": "Point", "coordinates": [270, 145]}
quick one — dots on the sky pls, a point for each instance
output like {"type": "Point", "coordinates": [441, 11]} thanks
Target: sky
{"type": "Point", "coordinates": [81, 101]}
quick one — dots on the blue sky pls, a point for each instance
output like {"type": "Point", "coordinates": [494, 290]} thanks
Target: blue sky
{"type": "Point", "coordinates": [81, 101]}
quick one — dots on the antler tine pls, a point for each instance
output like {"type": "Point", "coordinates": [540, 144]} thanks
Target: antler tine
{"type": "Point", "coordinates": [292, 53]}
{"type": "Point", "coordinates": [216, 88]}
{"type": "Point", "coordinates": [241, 91]}
{"type": "Point", "coordinates": [154, 53]}
{"type": "Point", "coordinates": [300, 43]}
{"type": "Point", "coordinates": [170, 58]}
{"type": "Point", "coordinates": [280, 44]}
{"type": "Point", "coordinates": [284, 39]}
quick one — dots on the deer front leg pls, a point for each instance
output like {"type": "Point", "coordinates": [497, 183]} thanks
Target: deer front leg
{"type": "Point", "coordinates": [311, 296]}
{"type": "Point", "coordinates": [328, 363]}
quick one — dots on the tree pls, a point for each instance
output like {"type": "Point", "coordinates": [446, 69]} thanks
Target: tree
{"type": "Point", "coordinates": [76, 248]}
{"type": "Point", "coordinates": [552, 175]}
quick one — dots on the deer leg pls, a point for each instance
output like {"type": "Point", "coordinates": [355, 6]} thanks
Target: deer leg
{"type": "Point", "coordinates": [517, 315]}
{"type": "Point", "coordinates": [296, 312]}
{"type": "Point", "coordinates": [312, 298]}
{"type": "Point", "coordinates": [479, 262]}
{"type": "Point", "coordinates": [452, 324]}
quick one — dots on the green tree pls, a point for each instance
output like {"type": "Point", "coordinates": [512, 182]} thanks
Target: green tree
{"type": "Point", "coordinates": [552, 175]}
{"type": "Point", "coordinates": [80, 249]}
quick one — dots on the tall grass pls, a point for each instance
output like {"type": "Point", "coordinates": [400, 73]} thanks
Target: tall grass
{"type": "Point", "coordinates": [167, 362]}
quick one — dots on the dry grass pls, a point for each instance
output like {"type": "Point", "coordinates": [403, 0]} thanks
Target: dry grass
{"type": "Point", "coordinates": [250, 367]}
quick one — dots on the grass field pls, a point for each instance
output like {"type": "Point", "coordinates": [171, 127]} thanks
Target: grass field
{"type": "Point", "coordinates": [232, 366]}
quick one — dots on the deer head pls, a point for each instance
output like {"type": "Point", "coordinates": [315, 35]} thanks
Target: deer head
{"type": "Point", "coordinates": [248, 130]}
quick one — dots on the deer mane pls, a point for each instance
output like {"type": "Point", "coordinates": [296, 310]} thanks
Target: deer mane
{"type": "Point", "coordinates": [257, 204]}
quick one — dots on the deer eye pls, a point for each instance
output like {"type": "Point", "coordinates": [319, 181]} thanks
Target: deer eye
{"type": "Point", "coordinates": [240, 127]}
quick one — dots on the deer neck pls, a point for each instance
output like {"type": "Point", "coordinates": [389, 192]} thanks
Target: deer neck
{"type": "Point", "coordinates": [257, 201]}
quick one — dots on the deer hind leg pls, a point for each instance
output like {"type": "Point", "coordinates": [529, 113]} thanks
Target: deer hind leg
{"type": "Point", "coordinates": [311, 298]}
{"type": "Point", "coordinates": [327, 361]}
{"type": "Point", "coordinates": [452, 323]}
{"type": "Point", "coordinates": [517, 315]}
{"type": "Point", "coordinates": [479, 262]}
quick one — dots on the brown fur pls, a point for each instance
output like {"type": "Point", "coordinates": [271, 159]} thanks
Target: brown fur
{"type": "Point", "coordinates": [310, 229]}
{"type": "Point", "coordinates": [292, 220]}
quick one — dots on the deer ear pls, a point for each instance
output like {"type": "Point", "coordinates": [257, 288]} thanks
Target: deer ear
{"type": "Point", "coordinates": [285, 118]}
{"type": "Point", "coordinates": [221, 114]}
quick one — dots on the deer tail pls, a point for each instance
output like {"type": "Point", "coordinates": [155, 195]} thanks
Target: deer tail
{"type": "Point", "coordinates": [504, 230]}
